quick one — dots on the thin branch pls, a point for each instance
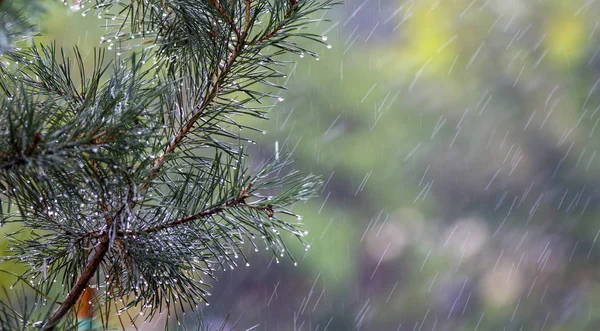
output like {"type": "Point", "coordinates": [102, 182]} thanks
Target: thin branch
{"type": "Point", "coordinates": [237, 202]}
{"type": "Point", "coordinates": [208, 99]}
{"type": "Point", "coordinates": [80, 285]}
{"type": "Point", "coordinates": [288, 14]}
{"type": "Point", "coordinates": [205, 214]}
{"type": "Point", "coordinates": [247, 12]}
{"type": "Point", "coordinates": [36, 139]}
{"type": "Point", "coordinates": [226, 16]}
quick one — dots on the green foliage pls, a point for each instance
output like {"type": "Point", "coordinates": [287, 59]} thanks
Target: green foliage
{"type": "Point", "coordinates": [130, 176]}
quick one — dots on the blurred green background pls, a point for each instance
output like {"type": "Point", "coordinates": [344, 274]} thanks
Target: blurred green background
{"type": "Point", "coordinates": [458, 142]}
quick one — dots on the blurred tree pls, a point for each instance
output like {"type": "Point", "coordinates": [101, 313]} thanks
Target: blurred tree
{"type": "Point", "coordinates": [485, 157]}
{"type": "Point", "coordinates": [130, 184]}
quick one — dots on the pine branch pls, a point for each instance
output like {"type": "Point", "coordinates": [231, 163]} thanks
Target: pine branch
{"type": "Point", "coordinates": [102, 249]}
{"type": "Point", "coordinates": [113, 177]}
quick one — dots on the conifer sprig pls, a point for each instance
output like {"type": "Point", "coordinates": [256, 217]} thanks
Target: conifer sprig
{"type": "Point", "coordinates": [130, 176]}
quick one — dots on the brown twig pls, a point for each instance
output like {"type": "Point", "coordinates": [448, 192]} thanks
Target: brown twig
{"type": "Point", "coordinates": [288, 14]}
{"type": "Point", "coordinates": [205, 214]}
{"type": "Point", "coordinates": [209, 97]}
{"type": "Point", "coordinates": [37, 138]}
{"type": "Point", "coordinates": [80, 285]}
{"type": "Point", "coordinates": [226, 16]}
{"type": "Point", "coordinates": [247, 11]}
{"type": "Point", "coordinates": [82, 281]}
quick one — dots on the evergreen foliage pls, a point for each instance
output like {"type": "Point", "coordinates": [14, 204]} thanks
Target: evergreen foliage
{"type": "Point", "coordinates": [129, 179]}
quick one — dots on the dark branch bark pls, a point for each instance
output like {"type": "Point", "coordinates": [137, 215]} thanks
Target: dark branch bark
{"type": "Point", "coordinates": [203, 215]}
{"type": "Point", "coordinates": [80, 285]}
{"type": "Point", "coordinates": [237, 202]}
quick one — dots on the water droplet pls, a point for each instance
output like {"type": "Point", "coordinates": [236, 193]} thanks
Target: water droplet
{"type": "Point", "coordinates": [280, 99]}
{"type": "Point", "coordinates": [324, 38]}
{"type": "Point", "coordinates": [329, 46]}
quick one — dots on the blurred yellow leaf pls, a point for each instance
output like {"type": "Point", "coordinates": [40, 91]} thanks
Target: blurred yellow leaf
{"type": "Point", "coordinates": [427, 39]}
{"type": "Point", "coordinates": [430, 37]}
{"type": "Point", "coordinates": [565, 37]}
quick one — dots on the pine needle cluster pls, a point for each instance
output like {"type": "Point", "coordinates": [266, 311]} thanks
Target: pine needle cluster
{"type": "Point", "coordinates": [129, 178]}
